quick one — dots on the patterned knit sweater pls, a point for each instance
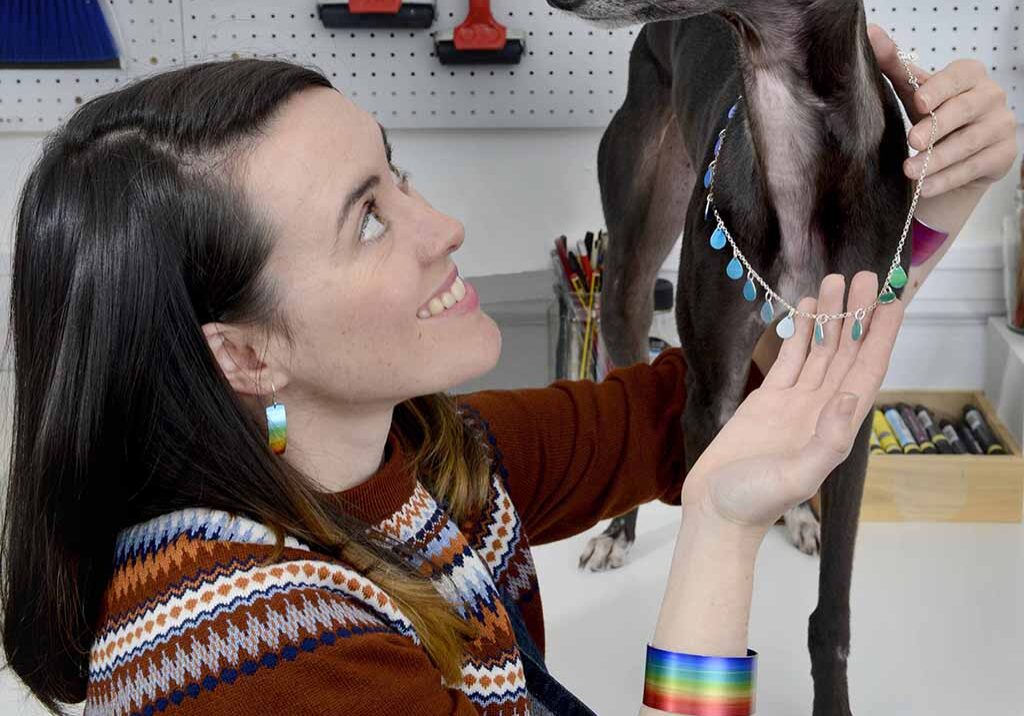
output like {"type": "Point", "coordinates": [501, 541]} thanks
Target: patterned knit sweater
{"type": "Point", "coordinates": [192, 623]}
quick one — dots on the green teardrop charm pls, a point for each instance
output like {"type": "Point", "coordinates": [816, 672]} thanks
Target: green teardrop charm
{"type": "Point", "coordinates": [898, 278]}
{"type": "Point", "coordinates": [858, 330]}
{"type": "Point", "coordinates": [819, 334]}
{"type": "Point", "coordinates": [887, 297]}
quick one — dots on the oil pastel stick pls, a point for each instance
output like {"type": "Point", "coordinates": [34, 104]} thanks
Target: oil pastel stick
{"type": "Point", "coordinates": [976, 422]}
{"type": "Point", "coordinates": [950, 431]}
{"type": "Point", "coordinates": [973, 446]}
{"type": "Point", "coordinates": [876, 445]}
{"type": "Point", "coordinates": [901, 431]}
{"type": "Point", "coordinates": [885, 437]}
{"type": "Point", "coordinates": [920, 436]}
{"type": "Point", "coordinates": [937, 436]}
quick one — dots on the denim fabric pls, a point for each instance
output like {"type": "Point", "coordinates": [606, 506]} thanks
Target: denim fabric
{"type": "Point", "coordinates": [547, 696]}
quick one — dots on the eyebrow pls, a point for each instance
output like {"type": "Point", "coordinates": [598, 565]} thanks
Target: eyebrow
{"type": "Point", "coordinates": [366, 185]}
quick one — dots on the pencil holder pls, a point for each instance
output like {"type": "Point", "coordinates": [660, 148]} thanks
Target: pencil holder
{"type": "Point", "coordinates": [568, 322]}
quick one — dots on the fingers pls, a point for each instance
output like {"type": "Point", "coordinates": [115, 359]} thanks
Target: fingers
{"type": "Point", "coordinates": [964, 143]}
{"type": "Point", "coordinates": [886, 53]}
{"type": "Point", "coordinates": [863, 290]}
{"type": "Point", "coordinates": [957, 112]}
{"type": "Point", "coordinates": [990, 164]}
{"type": "Point", "coordinates": [790, 362]}
{"type": "Point", "coordinates": [872, 360]}
{"type": "Point", "coordinates": [956, 79]}
{"type": "Point", "coordinates": [830, 300]}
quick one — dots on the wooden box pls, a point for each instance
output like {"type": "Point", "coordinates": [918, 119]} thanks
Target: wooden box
{"type": "Point", "coordinates": [945, 488]}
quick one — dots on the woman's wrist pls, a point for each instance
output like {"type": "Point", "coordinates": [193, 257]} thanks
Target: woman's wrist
{"type": "Point", "coordinates": [706, 608]}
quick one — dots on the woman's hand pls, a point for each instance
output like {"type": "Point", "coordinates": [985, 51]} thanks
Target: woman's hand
{"type": "Point", "coordinates": [976, 140]}
{"type": "Point", "coordinates": [789, 434]}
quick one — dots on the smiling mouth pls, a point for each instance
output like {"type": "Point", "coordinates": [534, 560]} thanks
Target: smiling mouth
{"type": "Point", "coordinates": [446, 298]}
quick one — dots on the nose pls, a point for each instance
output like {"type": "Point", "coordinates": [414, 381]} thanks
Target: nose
{"type": "Point", "coordinates": [446, 234]}
{"type": "Point", "coordinates": [566, 4]}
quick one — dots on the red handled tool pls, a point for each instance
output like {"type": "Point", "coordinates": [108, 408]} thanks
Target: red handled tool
{"type": "Point", "coordinates": [359, 14]}
{"type": "Point", "coordinates": [480, 39]}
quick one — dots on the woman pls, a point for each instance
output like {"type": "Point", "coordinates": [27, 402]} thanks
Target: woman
{"type": "Point", "coordinates": [237, 482]}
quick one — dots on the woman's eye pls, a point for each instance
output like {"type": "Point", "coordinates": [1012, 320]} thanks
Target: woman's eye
{"type": "Point", "coordinates": [373, 228]}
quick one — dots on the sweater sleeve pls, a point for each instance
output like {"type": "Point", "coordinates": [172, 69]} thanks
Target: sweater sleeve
{"type": "Point", "coordinates": [578, 452]}
{"type": "Point", "coordinates": [356, 675]}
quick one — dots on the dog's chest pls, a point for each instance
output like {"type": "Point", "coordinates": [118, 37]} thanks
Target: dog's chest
{"type": "Point", "coordinates": [788, 143]}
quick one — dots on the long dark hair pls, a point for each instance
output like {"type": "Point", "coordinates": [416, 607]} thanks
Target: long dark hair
{"type": "Point", "coordinates": [132, 232]}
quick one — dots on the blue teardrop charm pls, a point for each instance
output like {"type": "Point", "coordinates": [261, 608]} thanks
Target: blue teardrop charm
{"type": "Point", "coordinates": [750, 291]}
{"type": "Point", "coordinates": [707, 177]}
{"type": "Point", "coordinates": [858, 330]}
{"type": "Point", "coordinates": [707, 208]}
{"type": "Point", "coordinates": [718, 239]}
{"type": "Point", "coordinates": [718, 145]}
{"type": "Point", "coordinates": [735, 269]}
{"type": "Point", "coordinates": [767, 312]}
{"type": "Point", "coordinates": [732, 112]}
{"type": "Point", "coordinates": [786, 327]}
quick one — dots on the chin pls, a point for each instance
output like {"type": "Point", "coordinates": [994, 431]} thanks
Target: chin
{"type": "Point", "coordinates": [478, 355]}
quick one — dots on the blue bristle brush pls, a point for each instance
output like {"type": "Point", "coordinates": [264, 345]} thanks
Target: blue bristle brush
{"type": "Point", "coordinates": [55, 34]}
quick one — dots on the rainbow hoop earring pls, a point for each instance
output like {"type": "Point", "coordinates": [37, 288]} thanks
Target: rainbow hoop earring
{"type": "Point", "coordinates": [277, 425]}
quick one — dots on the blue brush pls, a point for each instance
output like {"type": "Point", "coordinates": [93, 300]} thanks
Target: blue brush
{"type": "Point", "coordinates": [55, 34]}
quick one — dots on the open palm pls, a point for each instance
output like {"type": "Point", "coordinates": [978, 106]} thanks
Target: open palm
{"type": "Point", "coordinates": [789, 434]}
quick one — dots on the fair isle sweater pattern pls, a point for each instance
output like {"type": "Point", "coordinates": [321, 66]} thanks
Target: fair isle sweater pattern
{"type": "Point", "coordinates": [190, 609]}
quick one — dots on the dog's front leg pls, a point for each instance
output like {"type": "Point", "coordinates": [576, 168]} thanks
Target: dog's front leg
{"type": "Point", "coordinates": [828, 635]}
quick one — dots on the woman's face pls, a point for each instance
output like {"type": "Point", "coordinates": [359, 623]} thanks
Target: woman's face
{"type": "Point", "coordinates": [359, 257]}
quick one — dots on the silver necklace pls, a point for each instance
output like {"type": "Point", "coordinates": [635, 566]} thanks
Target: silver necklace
{"type": "Point", "coordinates": [896, 278]}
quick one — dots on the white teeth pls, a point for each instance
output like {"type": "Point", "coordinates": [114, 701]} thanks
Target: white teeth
{"type": "Point", "coordinates": [445, 301]}
{"type": "Point", "coordinates": [459, 289]}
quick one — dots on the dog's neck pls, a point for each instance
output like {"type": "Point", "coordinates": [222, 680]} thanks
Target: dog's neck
{"type": "Point", "coordinates": [809, 99]}
{"type": "Point", "coordinates": [816, 53]}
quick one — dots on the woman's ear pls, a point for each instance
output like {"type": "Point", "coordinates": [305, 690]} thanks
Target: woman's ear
{"type": "Point", "coordinates": [246, 368]}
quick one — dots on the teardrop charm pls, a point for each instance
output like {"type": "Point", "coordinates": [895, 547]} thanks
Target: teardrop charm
{"type": "Point", "coordinates": [718, 239]}
{"type": "Point", "coordinates": [767, 312]}
{"type": "Point", "coordinates": [718, 145]}
{"type": "Point", "coordinates": [898, 278]}
{"type": "Point", "coordinates": [707, 208]}
{"type": "Point", "coordinates": [819, 333]}
{"type": "Point", "coordinates": [732, 112]}
{"type": "Point", "coordinates": [707, 177]}
{"type": "Point", "coordinates": [735, 269]}
{"type": "Point", "coordinates": [858, 330]}
{"type": "Point", "coordinates": [887, 297]}
{"type": "Point", "coordinates": [786, 327]}
{"type": "Point", "coordinates": [750, 291]}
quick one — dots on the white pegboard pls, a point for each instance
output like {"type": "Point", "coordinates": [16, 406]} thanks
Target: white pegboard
{"type": "Point", "coordinates": [573, 74]}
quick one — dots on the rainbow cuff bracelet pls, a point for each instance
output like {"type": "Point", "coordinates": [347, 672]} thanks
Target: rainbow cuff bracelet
{"type": "Point", "coordinates": [700, 685]}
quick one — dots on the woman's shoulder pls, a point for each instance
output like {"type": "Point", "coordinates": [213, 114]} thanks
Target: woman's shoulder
{"type": "Point", "coordinates": [196, 588]}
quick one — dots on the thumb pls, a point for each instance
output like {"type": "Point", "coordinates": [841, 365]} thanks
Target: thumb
{"type": "Point", "coordinates": [832, 440]}
{"type": "Point", "coordinates": [886, 53]}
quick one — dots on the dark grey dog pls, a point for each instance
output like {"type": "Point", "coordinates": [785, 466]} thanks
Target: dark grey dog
{"type": "Point", "coordinates": [809, 182]}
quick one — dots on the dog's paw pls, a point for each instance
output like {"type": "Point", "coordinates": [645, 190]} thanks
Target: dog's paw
{"type": "Point", "coordinates": [803, 528]}
{"type": "Point", "coordinates": [605, 552]}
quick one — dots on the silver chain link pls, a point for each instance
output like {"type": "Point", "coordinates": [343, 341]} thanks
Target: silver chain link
{"type": "Point", "coordinates": [752, 275]}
